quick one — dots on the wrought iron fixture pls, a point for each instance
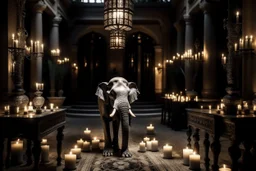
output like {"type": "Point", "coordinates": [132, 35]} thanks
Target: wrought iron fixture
{"type": "Point", "coordinates": [117, 39]}
{"type": "Point", "coordinates": [118, 14]}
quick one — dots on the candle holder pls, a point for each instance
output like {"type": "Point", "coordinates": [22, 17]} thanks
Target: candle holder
{"type": "Point", "coordinates": [38, 101]}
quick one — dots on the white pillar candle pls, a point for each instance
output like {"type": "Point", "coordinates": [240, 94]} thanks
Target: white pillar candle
{"type": "Point", "coordinates": [87, 134]}
{"type": "Point", "coordinates": [51, 106]}
{"type": "Point", "coordinates": [167, 151]}
{"type": "Point", "coordinates": [146, 139]}
{"type": "Point", "coordinates": [95, 143]}
{"type": "Point", "coordinates": [80, 143]}
{"type": "Point", "coordinates": [45, 153]}
{"type": "Point", "coordinates": [17, 152]}
{"type": "Point", "coordinates": [44, 141]}
{"type": "Point", "coordinates": [142, 146]}
{"type": "Point", "coordinates": [7, 110]}
{"type": "Point", "coordinates": [154, 145]}
{"type": "Point", "coordinates": [76, 151]}
{"type": "Point", "coordinates": [86, 146]}
{"type": "Point", "coordinates": [150, 129]}
{"type": "Point", "coordinates": [149, 145]}
{"type": "Point", "coordinates": [194, 161]}
{"type": "Point", "coordinates": [186, 153]}
{"type": "Point", "coordinates": [224, 168]}
{"type": "Point", "coordinates": [70, 161]}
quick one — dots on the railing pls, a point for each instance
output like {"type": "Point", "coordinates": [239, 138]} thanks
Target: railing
{"type": "Point", "coordinates": [136, 1]}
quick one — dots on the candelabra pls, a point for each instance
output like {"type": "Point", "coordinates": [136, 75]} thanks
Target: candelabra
{"type": "Point", "coordinates": [231, 100]}
{"type": "Point", "coordinates": [18, 52]}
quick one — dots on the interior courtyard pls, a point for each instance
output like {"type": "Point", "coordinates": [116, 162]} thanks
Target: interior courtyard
{"type": "Point", "coordinates": [135, 85]}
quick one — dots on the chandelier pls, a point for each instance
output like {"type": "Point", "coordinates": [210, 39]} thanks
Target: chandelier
{"type": "Point", "coordinates": [118, 14]}
{"type": "Point", "coordinates": [117, 39]}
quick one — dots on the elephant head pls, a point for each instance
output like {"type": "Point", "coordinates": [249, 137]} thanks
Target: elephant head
{"type": "Point", "coordinates": [116, 95]}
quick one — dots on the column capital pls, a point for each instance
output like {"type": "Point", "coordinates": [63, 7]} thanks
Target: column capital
{"type": "Point", "coordinates": [56, 20]}
{"type": "Point", "coordinates": [39, 7]}
{"type": "Point", "coordinates": [188, 19]}
{"type": "Point", "coordinates": [179, 25]}
{"type": "Point", "coordinates": [207, 6]}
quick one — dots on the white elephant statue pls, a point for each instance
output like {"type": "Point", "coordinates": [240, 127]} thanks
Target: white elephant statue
{"type": "Point", "coordinates": [114, 99]}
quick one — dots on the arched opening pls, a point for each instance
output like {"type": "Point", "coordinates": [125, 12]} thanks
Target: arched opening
{"type": "Point", "coordinates": [139, 63]}
{"type": "Point", "coordinates": [91, 60]}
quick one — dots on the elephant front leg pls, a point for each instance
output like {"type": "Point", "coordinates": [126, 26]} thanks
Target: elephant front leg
{"type": "Point", "coordinates": [107, 151]}
{"type": "Point", "coordinates": [116, 124]}
{"type": "Point", "coordinates": [125, 138]}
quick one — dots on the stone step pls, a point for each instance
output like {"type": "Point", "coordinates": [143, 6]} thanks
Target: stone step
{"type": "Point", "coordinates": [73, 110]}
{"type": "Point", "coordinates": [134, 106]}
{"type": "Point", "coordinates": [69, 114]}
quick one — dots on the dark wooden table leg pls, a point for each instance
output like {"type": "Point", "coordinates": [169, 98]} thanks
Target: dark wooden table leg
{"type": "Point", "coordinates": [1, 153]}
{"type": "Point", "coordinates": [234, 153]}
{"type": "Point", "coordinates": [196, 141]}
{"type": "Point", "coordinates": [59, 138]}
{"type": "Point", "coordinates": [206, 154]}
{"type": "Point", "coordinates": [189, 133]}
{"type": "Point", "coordinates": [36, 153]}
{"type": "Point", "coordinates": [215, 148]}
{"type": "Point", "coordinates": [247, 158]}
{"type": "Point", "coordinates": [8, 155]}
{"type": "Point", "coordinates": [29, 152]}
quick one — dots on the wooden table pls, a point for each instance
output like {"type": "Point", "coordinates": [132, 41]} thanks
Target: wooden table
{"type": "Point", "coordinates": [238, 129]}
{"type": "Point", "coordinates": [33, 128]}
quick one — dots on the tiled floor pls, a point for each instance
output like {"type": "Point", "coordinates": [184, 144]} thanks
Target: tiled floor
{"type": "Point", "coordinates": [74, 131]}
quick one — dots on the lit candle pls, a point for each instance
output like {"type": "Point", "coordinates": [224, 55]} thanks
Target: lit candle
{"type": "Point", "coordinates": [194, 161]}
{"type": "Point", "coordinates": [239, 108]}
{"type": "Point", "coordinates": [17, 152]}
{"type": "Point", "coordinates": [37, 86]}
{"type": "Point", "coordinates": [254, 109]}
{"type": "Point", "coordinates": [224, 168]}
{"type": "Point", "coordinates": [70, 161]}
{"type": "Point", "coordinates": [142, 147]}
{"type": "Point", "coordinates": [51, 107]}
{"type": "Point", "coordinates": [241, 43]}
{"type": "Point", "coordinates": [45, 153]}
{"type": "Point", "coordinates": [45, 108]}
{"type": "Point", "coordinates": [222, 106]}
{"type": "Point", "coordinates": [80, 143]}
{"type": "Point", "coordinates": [196, 99]}
{"type": "Point", "coordinates": [6, 110]}
{"type": "Point", "coordinates": [251, 40]}
{"type": "Point", "coordinates": [202, 107]}
{"type": "Point", "coordinates": [42, 48]}
{"type": "Point", "coordinates": [149, 145]}
{"type": "Point", "coordinates": [218, 109]}
{"type": "Point", "coordinates": [235, 46]}
{"type": "Point", "coordinates": [154, 145]}
{"type": "Point", "coordinates": [17, 110]}
{"type": "Point", "coordinates": [95, 143]}
{"type": "Point", "coordinates": [146, 139]}
{"type": "Point", "coordinates": [76, 151]}
{"type": "Point", "coordinates": [246, 105]}
{"type": "Point", "coordinates": [57, 108]}
{"type": "Point", "coordinates": [30, 107]}
{"type": "Point", "coordinates": [237, 17]}
{"type": "Point", "coordinates": [186, 153]}
{"type": "Point", "coordinates": [13, 37]}
{"type": "Point", "coordinates": [210, 107]}
{"type": "Point", "coordinates": [246, 42]}
{"type": "Point", "coordinates": [87, 134]}
{"type": "Point", "coordinates": [167, 150]}
{"type": "Point", "coordinates": [150, 129]}
{"type": "Point", "coordinates": [44, 141]}
{"type": "Point", "coordinates": [86, 146]}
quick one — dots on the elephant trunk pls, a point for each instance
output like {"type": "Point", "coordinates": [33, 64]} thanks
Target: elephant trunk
{"type": "Point", "coordinates": [124, 117]}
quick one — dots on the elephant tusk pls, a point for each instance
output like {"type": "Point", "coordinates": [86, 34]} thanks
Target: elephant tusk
{"type": "Point", "coordinates": [113, 113]}
{"type": "Point", "coordinates": [131, 113]}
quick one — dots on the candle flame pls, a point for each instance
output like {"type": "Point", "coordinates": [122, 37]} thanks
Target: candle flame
{"type": "Point", "coordinates": [142, 142]}
{"type": "Point", "coordinates": [70, 152]}
{"type": "Point", "coordinates": [75, 146]}
{"type": "Point", "coordinates": [194, 152]}
{"type": "Point", "coordinates": [224, 166]}
{"type": "Point", "coordinates": [95, 138]}
{"type": "Point", "coordinates": [17, 142]}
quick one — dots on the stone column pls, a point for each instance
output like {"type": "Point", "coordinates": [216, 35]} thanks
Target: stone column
{"type": "Point", "coordinates": [179, 25]}
{"type": "Point", "coordinates": [209, 64]}
{"type": "Point", "coordinates": [189, 44]}
{"type": "Point", "coordinates": [54, 44]}
{"type": "Point", "coordinates": [37, 35]}
{"type": "Point", "coordinates": [158, 71]}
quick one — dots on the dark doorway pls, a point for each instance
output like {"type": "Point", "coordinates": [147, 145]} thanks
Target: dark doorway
{"type": "Point", "coordinates": [139, 63]}
{"type": "Point", "coordinates": [91, 58]}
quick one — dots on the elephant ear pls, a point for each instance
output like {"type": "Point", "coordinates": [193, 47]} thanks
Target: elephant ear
{"type": "Point", "coordinates": [133, 94]}
{"type": "Point", "coordinates": [101, 91]}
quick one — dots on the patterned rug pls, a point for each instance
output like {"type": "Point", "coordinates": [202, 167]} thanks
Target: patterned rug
{"type": "Point", "coordinates": [148, 161]}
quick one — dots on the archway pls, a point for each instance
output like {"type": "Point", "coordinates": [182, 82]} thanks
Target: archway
{"type": "Point", "coordinates": [139, 63]}
{"type": "Point", "coordinates": [91, 60]}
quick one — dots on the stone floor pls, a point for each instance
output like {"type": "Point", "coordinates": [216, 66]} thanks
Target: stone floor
{"type": "Point", "coordinates": [74, 131]}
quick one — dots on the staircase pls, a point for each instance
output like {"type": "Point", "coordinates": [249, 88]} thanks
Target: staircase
{"type": "Point", "coordinates": [90, 109]}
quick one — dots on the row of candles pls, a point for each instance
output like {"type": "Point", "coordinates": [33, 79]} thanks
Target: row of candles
{"type": "Point", "coordinates": [17, 151]}
{"type": "Point", "coordinates": [190, 158]}
{"type": "Point", "coordinates": [180, 98]}
{"type": "Point", "coordinates": [187, 55]}
{"type": "Point", "coordinates": [29, 109]}
{"type": "Point", "coordinates": [62, 61]}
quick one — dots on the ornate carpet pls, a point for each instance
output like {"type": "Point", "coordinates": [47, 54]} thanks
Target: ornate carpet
{"type": "Point", "coordinates": [148, 161]}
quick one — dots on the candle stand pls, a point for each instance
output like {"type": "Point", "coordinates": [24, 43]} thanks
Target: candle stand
{"type": "Point", "coordinates": [38, 101]}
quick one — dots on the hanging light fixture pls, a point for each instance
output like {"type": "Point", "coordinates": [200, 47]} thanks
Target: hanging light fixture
{"type": "Point", "coordinates": [117, 39]}
{"type": "Point", "coordinates": [118, 14]}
